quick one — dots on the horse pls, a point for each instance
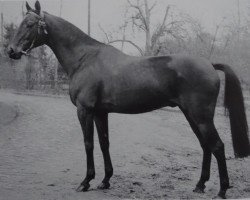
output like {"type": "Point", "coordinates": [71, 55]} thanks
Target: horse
{"type": "Point", "coordinates": [104, 80]}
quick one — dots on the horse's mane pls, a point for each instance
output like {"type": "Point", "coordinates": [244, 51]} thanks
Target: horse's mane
{"type": "Point", "coordinates": [67, 26]}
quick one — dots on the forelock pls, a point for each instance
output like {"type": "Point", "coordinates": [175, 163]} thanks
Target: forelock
{"type": "Point", "coordinates": [33, 12]}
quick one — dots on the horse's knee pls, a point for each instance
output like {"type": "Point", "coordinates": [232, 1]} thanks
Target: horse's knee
{"type": "Point", "coordinates": [89, 146]}
{"type": "Point", "coordinates": [104, 145]}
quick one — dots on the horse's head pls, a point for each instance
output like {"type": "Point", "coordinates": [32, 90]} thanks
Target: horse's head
{"type": "Point", "coordinates": [30, 34]}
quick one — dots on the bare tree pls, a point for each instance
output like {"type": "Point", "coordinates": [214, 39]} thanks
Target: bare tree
{"type": "Point", "coordinates": [109, 38]}
{"type": "Point", "coordinates": [139, 15]}
{"type": "Point", "coordinates": [141, 19]}
{"type": "Point", "coordinates": [171, 24]}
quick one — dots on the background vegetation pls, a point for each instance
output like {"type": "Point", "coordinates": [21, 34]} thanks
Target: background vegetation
{"type": "Point", "coordinates": [175, 33]}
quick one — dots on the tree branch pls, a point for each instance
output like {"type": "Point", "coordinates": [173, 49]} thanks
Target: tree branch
{"type": "Point", "coordinates": [106, 35]}
{"type": "Point", "coordinates": [128, 41]}
{"type": "Point", "coordinates": [141, 16]}
{"type": "Point", "coordinates": [152, 7]}
{"type": "Point", "coordinates": [165, 17]}
{"type": "Point", "coordinates": [160, 31]}
{"type": "Point", "coordinates": [213, 42]}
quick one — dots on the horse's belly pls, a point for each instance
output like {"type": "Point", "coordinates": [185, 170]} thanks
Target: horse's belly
{"type": "Point", "coordinates": [138, 102]}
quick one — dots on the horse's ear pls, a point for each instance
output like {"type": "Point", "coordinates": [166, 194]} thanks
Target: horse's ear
{"type": "Point", "coordinates": [38, 7]}
{"type": "Point", "coordinates": [28, 6]}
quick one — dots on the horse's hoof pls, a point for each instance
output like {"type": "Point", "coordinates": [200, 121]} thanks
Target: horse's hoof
{"type": "Point", "coordinates": [220, 197]}
{"type": "Point", "coordinates": [222, 193]}
{"type": "Point", "coordinates": [104, 186]}
{"type": "Point", "coordinates": [199, 189]}
{"type": "Point", "coordinates": [83, 187]}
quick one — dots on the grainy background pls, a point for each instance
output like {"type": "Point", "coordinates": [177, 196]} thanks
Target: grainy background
{"type": "Point", "coordinates": [155, 155]}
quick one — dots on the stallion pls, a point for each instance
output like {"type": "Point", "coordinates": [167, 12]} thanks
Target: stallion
{"type": "Point", "coordinates": [104, 80]}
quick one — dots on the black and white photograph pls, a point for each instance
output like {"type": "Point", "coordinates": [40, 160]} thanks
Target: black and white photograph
{"type": "Point", "coordinates": [124, 99]}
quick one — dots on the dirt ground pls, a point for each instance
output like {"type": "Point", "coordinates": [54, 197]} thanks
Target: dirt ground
{"type": "Point", "coordinates": [155, 155]}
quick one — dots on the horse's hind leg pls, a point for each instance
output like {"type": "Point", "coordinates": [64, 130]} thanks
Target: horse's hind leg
{"type": "Point", "coordinates": [207, 154]}
{"type": "Point", "coordinates": [214, 143]}
{"type": "Point", "coordinates": [202, 120]}
{"type": "Point", "coordinates": [101, 121]}
{"type": "Point", "coordinates": [205, 172]}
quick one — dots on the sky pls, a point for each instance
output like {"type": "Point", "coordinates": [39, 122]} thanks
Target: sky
{"type": "Point", "coordinates": [110, 13]}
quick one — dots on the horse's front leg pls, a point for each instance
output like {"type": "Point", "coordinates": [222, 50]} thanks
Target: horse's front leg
{"type": "Point", "coordinates": [86, 120]}
{"type": "Point", "coordinates": [101, 121]}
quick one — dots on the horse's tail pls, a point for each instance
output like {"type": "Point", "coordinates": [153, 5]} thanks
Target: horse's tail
{"type": "Point", "coordinates": [234, 103]}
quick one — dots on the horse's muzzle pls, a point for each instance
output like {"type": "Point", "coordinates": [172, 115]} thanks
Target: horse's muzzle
{"type": "Point", "coordinates": [13, 54]}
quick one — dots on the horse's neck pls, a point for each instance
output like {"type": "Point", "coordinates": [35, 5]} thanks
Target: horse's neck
{"type": "Point", "coordinates": [69, 43]}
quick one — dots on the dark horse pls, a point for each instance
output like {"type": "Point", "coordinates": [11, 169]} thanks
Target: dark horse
{"type": "Point", "coordinates": [104, 80]}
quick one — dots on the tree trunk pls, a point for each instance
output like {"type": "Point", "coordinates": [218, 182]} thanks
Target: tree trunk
{"type": "Point", "coordinates": [89, 17]}
{"type": "Point", "coordinates": [148, 33]}
{"type": "Point", "coordinates": [2, 29]}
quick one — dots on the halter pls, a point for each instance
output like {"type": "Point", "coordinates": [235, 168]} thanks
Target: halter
{"type": "Point", "coordinates": [41, 27]}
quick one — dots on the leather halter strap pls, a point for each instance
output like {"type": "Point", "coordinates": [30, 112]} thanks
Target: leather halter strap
{"type": "Point", "coordinates": [41, 27]}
